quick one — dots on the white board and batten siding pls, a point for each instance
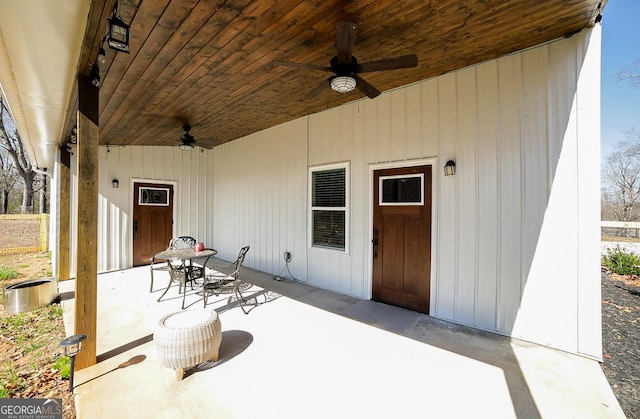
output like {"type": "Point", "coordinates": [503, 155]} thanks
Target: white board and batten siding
{"type": "Point", "coordinates": [188, 172]}
{"type": "Point", "coordinates": [260, 197]}
{"type": "Point", "coordinates": [515, 239]}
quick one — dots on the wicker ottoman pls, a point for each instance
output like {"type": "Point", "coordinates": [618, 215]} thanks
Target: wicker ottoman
{"type": "Point", "coordinates": [186, 338]}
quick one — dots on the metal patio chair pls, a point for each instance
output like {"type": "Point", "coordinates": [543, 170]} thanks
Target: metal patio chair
{"type": "Point", "coordinates": [219, 279]}
{"type": "Point", "coordinates": [182, 242]}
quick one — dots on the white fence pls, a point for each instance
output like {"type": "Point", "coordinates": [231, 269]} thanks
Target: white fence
{"type": "Point", "coordinates": [620, 228]}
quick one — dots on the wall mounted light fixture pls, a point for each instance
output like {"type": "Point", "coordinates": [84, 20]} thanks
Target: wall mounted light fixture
{"type": "Point", "coordinates": [118, 37]}
{"type": "Point", "coordinates": [115, 183]}
{"type": "Point", "coordinates": [450, 168]}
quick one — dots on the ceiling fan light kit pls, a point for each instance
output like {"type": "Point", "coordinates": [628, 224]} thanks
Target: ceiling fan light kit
{"type": "Point", "coordinates": [343, 84]}
{"type": "Point", "coordinates": [186, 147]}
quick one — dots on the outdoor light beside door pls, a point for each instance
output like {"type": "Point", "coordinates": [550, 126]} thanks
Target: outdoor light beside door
{"type": "Point", "coordinates": [450, 168]}
{"type": "Point", "coordinates": [115, 183]}
{"type": "Point", "coordinates": [72, 345]}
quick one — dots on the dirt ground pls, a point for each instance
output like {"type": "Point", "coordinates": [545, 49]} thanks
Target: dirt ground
{"type": "Point", "coordinates": [30, 341]}
{"type": "Point", "coordinates": [621, 339]}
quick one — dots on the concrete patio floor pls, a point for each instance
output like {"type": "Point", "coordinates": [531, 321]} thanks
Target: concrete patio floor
{"type": "Point", "coordinates": [303, 352]}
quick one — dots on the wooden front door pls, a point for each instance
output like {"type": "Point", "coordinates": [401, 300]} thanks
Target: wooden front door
{"type": "Point", "coordinates": [152, 220]}
{"type": "Point", "coordinates": [402, 237]}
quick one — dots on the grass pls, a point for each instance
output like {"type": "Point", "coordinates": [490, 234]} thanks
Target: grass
{"type": "Point", "coordinates": [63, 365]}
{"type": "Point", "coordinates": [11, 379]}
{"type": "Point", "coordinates": [7, 273]}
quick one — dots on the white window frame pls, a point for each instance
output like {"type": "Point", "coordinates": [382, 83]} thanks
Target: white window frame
{"type": "Point", "coordinates": [151, 204]}
{"type": "Point", "coordinates": [346, 208]}
{"type": "Point", "coordinates": [420, 203]}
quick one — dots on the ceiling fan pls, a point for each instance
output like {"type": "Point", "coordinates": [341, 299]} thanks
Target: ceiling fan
{"type": "Point", "coordinates": [346, 68]}
{"type": "Point", "coordinates": [187, 141]}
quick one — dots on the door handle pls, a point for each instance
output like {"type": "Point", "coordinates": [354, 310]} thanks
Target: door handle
{"type": "Point", "coordinates": [135, 229]}
{"type": "Point", "coordinates": [375, 243]}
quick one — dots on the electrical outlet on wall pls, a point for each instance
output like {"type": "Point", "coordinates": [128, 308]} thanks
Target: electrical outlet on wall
{"type": "Point", "coordinates": [287, 257]}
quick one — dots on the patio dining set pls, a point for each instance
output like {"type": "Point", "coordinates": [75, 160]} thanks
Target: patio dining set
{"type": "Point", "coordinates": [189, 337]}
{"type": "Point", "coordinates": [190, 263]}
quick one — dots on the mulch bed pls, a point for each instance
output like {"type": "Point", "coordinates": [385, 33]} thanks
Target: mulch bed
{"type": "Point", "coordinates": [621, 339]}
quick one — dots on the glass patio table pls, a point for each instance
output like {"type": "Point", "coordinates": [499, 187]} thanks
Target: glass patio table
{"type": "Point", "coordinates": [185, 257]}
{"type": "Point", "coordinates": [189, 254]}
{"type": "Point", "coordinates": [185, 254]}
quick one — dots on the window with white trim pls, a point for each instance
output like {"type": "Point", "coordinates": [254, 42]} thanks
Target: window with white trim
{"type": "Point", "coordinates": [329, 198]}
{"type": "Point", "coordinates": [153, 196]}
{"type": "Point", "coordinates": [402, 190]}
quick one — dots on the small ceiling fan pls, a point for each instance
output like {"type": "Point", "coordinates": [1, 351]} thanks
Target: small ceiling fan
{"type": "Point", "coordinates": [346, 68]}
{"type": "Point", "coordinates": [187, 142]}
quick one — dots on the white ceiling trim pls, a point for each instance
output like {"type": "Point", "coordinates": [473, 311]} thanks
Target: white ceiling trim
{"type": "Point", "coordinates": [40, 43]}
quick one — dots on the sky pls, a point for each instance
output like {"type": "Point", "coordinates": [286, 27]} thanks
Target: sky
{"type": "Point", "coordinates": [620, 106]}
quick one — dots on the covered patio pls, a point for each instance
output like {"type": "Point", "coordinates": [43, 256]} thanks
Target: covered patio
{"type": "Point", "coordinates": [306, 352]}
{"type": "Point", "coordinates": [508, 243]}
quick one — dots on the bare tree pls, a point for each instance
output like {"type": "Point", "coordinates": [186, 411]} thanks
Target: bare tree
{"type": "Point", "coordinates": [8, 180]}
{"type": "Point", "coordinates": [621, 175]}
{"type": "Point", "coordinates": [621, 194]}
{"type": "Point", "coordinates": [631, 73]}
{"type": "Point", "coordinates": [11, 143]}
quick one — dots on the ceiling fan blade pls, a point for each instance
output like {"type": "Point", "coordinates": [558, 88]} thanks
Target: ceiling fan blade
{"type": "Point", "coordinates": [365, 87]}
{"type": "Point", "coordinates": [305, 66]}
{"type": "Point", "coordinates": [325, 83]}
{"type": "Point", "coordinates": [345, 41]}
{"type": "Point", "coordinates": [405, 61]}
{"type": "Point", "coordinates": [208, 143]}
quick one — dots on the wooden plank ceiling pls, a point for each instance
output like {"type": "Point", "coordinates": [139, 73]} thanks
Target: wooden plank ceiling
{"type": "Point", "coordinates": [208, 63]}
